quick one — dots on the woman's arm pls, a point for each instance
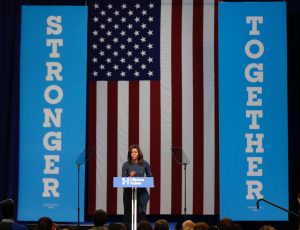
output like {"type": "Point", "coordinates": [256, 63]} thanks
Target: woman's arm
{"type": "Point", "coordinates": [147, 169]}
{"type": "Point", "coordinates": [124, 169]}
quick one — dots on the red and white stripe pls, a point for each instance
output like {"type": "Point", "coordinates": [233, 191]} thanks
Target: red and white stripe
{"type": "Point", "coordinates": [179, 110]}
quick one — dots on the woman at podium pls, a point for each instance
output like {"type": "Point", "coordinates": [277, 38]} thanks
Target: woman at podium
{"type": "Point", "coordinates": [135, 166]}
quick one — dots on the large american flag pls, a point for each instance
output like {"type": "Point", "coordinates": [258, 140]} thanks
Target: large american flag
{"type": "Point", "coordinates": [153, 82]}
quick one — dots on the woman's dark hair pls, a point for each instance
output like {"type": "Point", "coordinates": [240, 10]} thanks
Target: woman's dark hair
{"type": "Point", "coordinates": [140, 154]}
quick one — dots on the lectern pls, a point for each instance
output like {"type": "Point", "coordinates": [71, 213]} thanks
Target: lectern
{"type": "Point", "coordinates": [134, 183]}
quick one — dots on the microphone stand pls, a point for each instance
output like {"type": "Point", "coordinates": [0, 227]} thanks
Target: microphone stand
{"type": "Point", "coordinates": [83, 158]}
{"type": "Point", "coordinates": [184, 167]}
{"type": "Point", "coordinates": [78, 196]}
{"type": "Point", "coordinates": [275, 205]}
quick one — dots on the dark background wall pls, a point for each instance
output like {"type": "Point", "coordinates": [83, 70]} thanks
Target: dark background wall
{"type": "Point", "coordinates": [9, 99]}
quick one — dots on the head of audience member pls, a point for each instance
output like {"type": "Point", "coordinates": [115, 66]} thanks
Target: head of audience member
{"type": "Point", "coordinates": [46, 223]}
{"type": "Point", "coordinates": [267, 227]}
{"type": "Point", "coordinates": [188, 225]}
{"type": "Point", "coordinates": [8, 209]}
{"type": "Point", "coordinates": [227, 224]}
{"type": "Point", "coordinates": [144, 225]}
{"type": "Point", "coordinates": [201, 226]}
{"type": "Point", "coordinates": [114, 226]}
{"type": "Point", "coordinates": [5, 226]}
{"type": "Point", "coordinates": [161, 224]}
{"type": "Point", "coordinates": [99, 217]}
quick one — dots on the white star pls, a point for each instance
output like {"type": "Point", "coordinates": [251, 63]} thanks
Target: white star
{"type": "Point", "coordinates": [116, 13]}
{"type": "Point", "coordinates": [129, 39]}
{"type": "Point", "coordinates": [143, 53]}
{"type": "Point", "coordinates": [150, 59]}
{"type": "Point", "coordinates": [143, 39]}
{"type": "Point", "coordinates": [151, 5]}
{"type": "Point", "coordinates": [150, 46]}
{"type": "Point", "coordinates": [108, 60]}
{"type": "Point", "coordinates": [150, 73]}
{"type": "Point", "coordinates": [136, 60]}
{"type": "Point", "coordinates": [129, 53]}
{"type": "Point", "coordinates": [115, 53]}
{"type": "Point", "coordinates": [103, 12]}
{"type": "Point", "coordinates": [144, 26]}
{"type": "Point", "coordinates": [116, 67]}
{"type": "Point", "coordinates": [116, 40]}
{"type": "Point", "coordinates": [108, 74]}
{"type": "Point", "coordinates": [109, 6]}
{"type": "Point", "coordinates": [150, 32]}
{"type": "Point", "coordinates": [144, 12]}
{"type": "Point", "coordinates": [102, 67]}
{"type": "Point", "coordinates": [94, 46]}
{"type": "Point", "coordinates": [95, 73]}
{"type": "Point", "coordinates": [130, 12]}
{"type": "Point", "coordinates": [137, 6]}
{"type": "Point", "coordinates": [123, 33]}
{"type": "Point", "coordinates": [136, 46]}
{"type": "Point", "coordinates": [136, 33]}
{"type": "Point", "coordinates": [123, 19]}
{"type": "Point", "coordinates": [96, 6]}
{"type": "Point", "coordinates": [143, 66]}
{"type": "Point", "coordinates": [122, 60]}
{"type": "Point", "coordinates": [109, 19]}
{"type": "Point", "coordinates": [116, 26]}
{"type": "Point", "coordinates": [123, 74]}
{"type": "Point", "coordinates": [137, 19]}
{"type": "Point", "coordinates": [102, 26]}
{"type": "Point", "coordinates": [136, 73]}
{"type": "Point", "coordinates": [95, 32]}
{"type": "Point", "coordinates": [108, 46]}
{"type": "Point", "coordinates": [96, 19]}
{"type": "Point", "coordinates": [129, 26]}
{"type": "Point", "coordinates": [101, 39]}
{"type": "Point", "coordinates": [150, 19]}
{"type": "Point", "coordinates": [129, 67]}
{"type": "Point", "coordinates": [95, 60]}
{"type": "Point", "coordinates": [124, 6]}
{"type": "Point", "coordinates": [108, 33]}
{"type": "Point", "coordinates": [122, 46]}
{"type": "Point", "coordinates": [101, 53]}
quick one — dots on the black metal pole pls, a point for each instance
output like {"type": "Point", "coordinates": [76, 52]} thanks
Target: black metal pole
{"type": "Point", "coordinates": [184, 190]}
{"type": "Point", "coordinates": [78, 202]}
{"type": "Point", "coordinates": [275, 205]}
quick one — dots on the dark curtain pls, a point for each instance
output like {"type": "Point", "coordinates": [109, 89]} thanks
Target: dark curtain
{"type": "Point", "coordinates": [9, 98]}
{"type": "Point", "coordinates": [293, 34]}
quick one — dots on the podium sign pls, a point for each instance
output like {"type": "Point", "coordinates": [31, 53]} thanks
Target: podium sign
{"type": "Point", "coordinates": [133, 182]}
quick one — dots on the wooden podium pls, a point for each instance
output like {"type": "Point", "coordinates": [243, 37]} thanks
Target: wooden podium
{"type": "Point", "coordinates": [134, 183]}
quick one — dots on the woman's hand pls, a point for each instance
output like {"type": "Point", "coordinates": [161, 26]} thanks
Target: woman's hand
{"type": "Point", "coordinates": [132, 173]}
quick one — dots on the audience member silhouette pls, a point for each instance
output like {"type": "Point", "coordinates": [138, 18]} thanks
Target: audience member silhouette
{"type": "Point", "coordinates": [267, 227]}
{"type": "Point", "coordinates": [46, 223]}
{"type": "Point", "coordinates": [8, 214]}
{"type": "Point", "coordinates": [99, 219]}
{"type": "Point", "coordinates": [117, 227]}
{"type": "Point", "coordinates": [188, 225]}
{"type": "Point", "coordinates": [144, 225]}
{"type": "Point", "coordinates": [161, 224]}
{"type": "Point", "coordinates": [201, 226]}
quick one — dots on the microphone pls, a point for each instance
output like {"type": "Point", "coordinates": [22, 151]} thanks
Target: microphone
{"type": "Point", "coordinates": [257, 202]}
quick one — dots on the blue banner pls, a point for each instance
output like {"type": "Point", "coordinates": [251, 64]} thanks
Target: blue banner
{"type": "Point", "coordinates": [253, 110]}
{"type": "Point", "coordinates": [52, 111]}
